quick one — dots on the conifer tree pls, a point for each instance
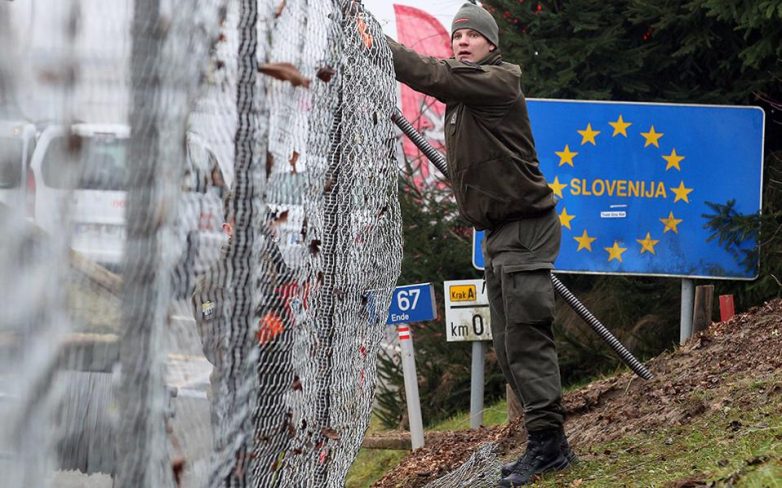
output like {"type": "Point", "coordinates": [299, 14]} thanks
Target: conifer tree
{"type": "Point", "coordinates": [725, 52]}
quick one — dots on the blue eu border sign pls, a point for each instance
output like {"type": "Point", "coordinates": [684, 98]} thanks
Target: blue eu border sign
{"type": "Point", "coordinates": [412, 303]}
{"type": "Point", "coordinates": [633, 184]}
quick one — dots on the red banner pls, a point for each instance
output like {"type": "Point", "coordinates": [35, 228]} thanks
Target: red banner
{"type": "Point", "coordinates": [423, 33]}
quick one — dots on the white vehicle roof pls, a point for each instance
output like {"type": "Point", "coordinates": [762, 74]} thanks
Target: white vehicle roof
{"type": "Point", "coordinates": [15, 127]}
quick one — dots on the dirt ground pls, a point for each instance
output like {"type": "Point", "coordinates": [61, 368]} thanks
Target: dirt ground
{"type": "Point", "coordinates": [722, 360]}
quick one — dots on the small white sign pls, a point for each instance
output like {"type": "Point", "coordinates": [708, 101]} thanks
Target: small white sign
{"type": "Point", "coordinates": [467, 315]}
{"type": "Point", "coordinates": [613, 214]}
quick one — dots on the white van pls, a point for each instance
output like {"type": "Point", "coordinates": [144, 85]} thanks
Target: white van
{"type": "Point", "coordinates": [17, 141]}
{"type": "Point", "coordinates": [88, 166]}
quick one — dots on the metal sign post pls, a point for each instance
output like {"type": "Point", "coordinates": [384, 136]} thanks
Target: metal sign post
{"type": "Point", "coordinates": [411, 387]}
{"type": "Point", "coordinates": [477, 380]}
{"type": "Point", "coordinates": [467, 318]}
{"type": "Point", "coordinates": [411, 303]}
{"type": "Point", "coordinates": [685, 320]}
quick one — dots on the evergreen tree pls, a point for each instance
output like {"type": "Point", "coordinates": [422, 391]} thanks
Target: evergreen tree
{"type": "Point", "coordinates": [700, 51]}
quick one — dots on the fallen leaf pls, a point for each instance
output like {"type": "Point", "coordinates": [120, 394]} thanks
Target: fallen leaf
{"type": "Point", "coordinates": [279, 9]}
{"type": "Point", "coordinates": [178, 467]}
{"type": "Point", "coordinates": [281, 218]}
{"type": "Point", "coordinates": [304, 229]}
{"type": "Point", "coordinates": [269, 164]}
{"type": "Point", "coordinates": [330, 183]}
{"type": "Point", "coordinates": [294, 158]}
{"type": "Point", "coordinates": [330, 433]}
{"type": "Point", "coordinates": [326, 73]}
{"type": "Point", "coordinates": [285, 72]}
{"type": "Point", "coordinates": [363, 31]}
{"type": "Point", "coordinates": [315, 247]}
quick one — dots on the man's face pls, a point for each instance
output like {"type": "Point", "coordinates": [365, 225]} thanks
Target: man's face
{"type": "Point", "coordinates": [469, 45]}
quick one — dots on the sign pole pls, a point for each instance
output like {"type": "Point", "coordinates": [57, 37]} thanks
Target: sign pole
{"type": "Point", "coordinates": [411, 303]}
{"type": "Point", "coordinates": [411, 387]}
{"type": "Point", "coordinates": [688, 295]}
{"type": "Point", "coordinates": [476, 384]}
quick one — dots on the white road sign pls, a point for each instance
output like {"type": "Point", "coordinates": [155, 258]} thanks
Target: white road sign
{"type": "Point", "coordinates": [466, 311]}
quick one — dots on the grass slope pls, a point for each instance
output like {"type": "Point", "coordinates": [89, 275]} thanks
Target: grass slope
{"type": "Point", "coordinates": [712, 416]}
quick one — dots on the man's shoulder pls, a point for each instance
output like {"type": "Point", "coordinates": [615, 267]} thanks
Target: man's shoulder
{"type": "Point", "coordinates": [514, 69]}
{"type": "Point", "coordinates": [501, 67]}
{"type": "Point", "coordinates": [456, 65]}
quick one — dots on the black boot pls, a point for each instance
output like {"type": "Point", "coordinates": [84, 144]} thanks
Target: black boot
{"type": "Point", "coordinates": [564, 446]}
{"type": "Point", "coordinates": [544, 453]}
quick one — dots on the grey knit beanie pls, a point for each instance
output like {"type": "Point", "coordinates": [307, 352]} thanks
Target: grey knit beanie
{"type": "Point", "coordinates": [476, 18]}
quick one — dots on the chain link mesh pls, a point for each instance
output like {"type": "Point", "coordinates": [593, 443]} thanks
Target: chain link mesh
{"type": "Point", "coordinates": [480, 471]}
{"type": "Point", "coordinates": [150, 130]}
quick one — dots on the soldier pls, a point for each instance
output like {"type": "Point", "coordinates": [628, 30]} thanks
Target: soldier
{"type": "Point", "coordinates": [275, 287]}
{"type": "Point", "coordinates": [208, 299]}
{"type": "Point", "coordinates": [499, 187]}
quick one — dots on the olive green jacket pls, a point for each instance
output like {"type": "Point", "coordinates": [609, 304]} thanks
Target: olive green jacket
{"type": "Point", "coordinates": [491, 156]}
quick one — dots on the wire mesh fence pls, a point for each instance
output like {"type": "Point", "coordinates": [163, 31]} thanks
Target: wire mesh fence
{"type": "Point", "coordinates": [201, 236]}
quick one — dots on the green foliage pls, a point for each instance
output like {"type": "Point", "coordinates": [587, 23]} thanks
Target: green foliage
{"type": "Point", "coordinates": [733, 230]}
{"type": "Point", "coordinates": [708, 51]}
{"type": "Point", "coordinates": [728, 227]}
{"type": "Point", "coordinates": [370, 465]}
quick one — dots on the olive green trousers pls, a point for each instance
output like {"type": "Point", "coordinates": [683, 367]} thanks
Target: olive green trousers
{"type": "Point", "coordinates": [519, 257]}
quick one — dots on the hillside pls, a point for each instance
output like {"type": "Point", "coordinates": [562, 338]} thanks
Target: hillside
{"type": "Point", "coordinates": [713, 404]}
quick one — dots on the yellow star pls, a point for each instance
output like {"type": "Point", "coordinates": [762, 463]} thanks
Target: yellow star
{"type": "Point", "coordinates": [647, 243]}
{"type": "Point", "coordinates": [564, 218]}
{"type": "Point", "coordinates": [566, 156]}
{"type": "Point", "coordinates": [585, 242]}
{"type": "Point", "coordinates": [681, 193]}
{"type": "Point", "coordinates": [557, 187]}
{"type": "Point", "coordinates": [620, 126]}
{"type": "Point", "coordinates": [673, 160]}
{"type": "Point", "coordinates": [670, 223]}
{"type": "Point", "coordinates": [588, 135]}
{"type": "Point", "coordinates": [615, 252]}
{"type": "Point", "coordinates": [652, 137]}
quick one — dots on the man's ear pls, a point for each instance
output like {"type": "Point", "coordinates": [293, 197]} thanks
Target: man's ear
{"type": "Point", "coordinates": [492, 47]}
